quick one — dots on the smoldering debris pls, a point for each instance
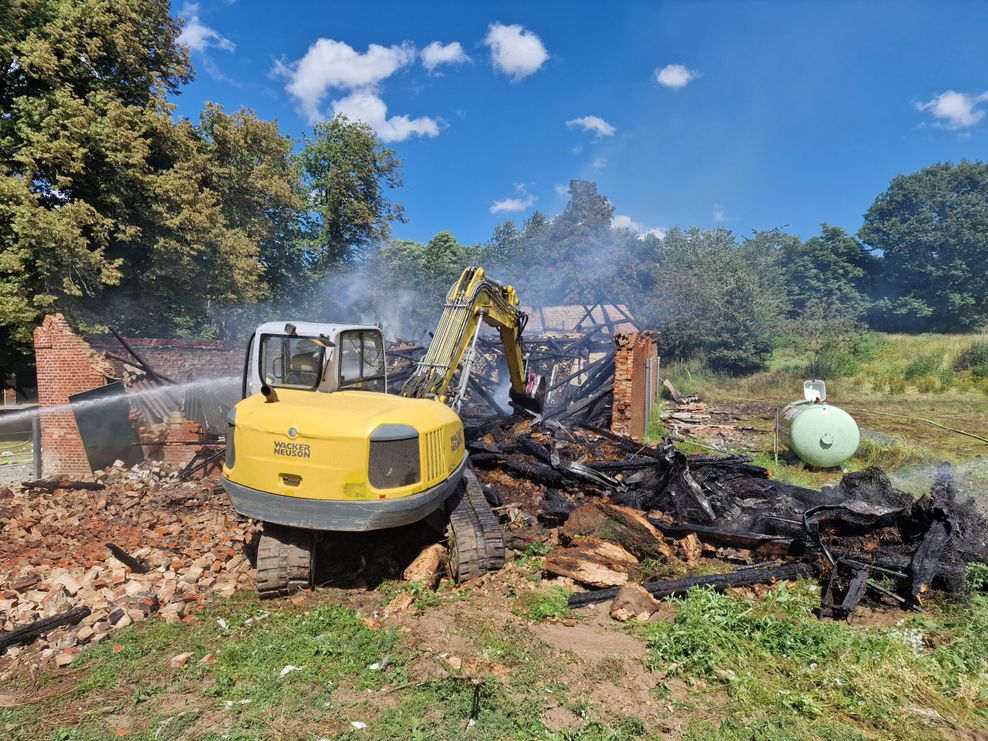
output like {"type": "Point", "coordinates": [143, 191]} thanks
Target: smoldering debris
{"type": "Point", "coordinates": [863, 538]}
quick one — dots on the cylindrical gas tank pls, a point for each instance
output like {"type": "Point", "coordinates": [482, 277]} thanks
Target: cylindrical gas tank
{"type": "Point", "coordinates": [818, 433]}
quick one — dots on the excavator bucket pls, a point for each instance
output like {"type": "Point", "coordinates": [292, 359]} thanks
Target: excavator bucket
{"type": "Point", "coordinates": [534, 397]}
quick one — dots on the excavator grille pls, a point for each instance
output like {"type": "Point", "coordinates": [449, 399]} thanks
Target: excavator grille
{"type": "Point", "coordinates": [433, 455]}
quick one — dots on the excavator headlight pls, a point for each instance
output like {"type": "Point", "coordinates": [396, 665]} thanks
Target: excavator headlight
{"type": "Point", "coordinates": [394, 457]}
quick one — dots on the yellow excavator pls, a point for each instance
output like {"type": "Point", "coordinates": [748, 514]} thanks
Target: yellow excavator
{"type": "Point", "coordinates": [316, 445]}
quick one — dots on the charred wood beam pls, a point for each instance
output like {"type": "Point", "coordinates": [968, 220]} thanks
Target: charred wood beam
{"type": "Point", "coordinates": [580, 409]}
{"type": "Point", "coordinates": [55, 484]}
{"type": "Point", "coordinates": [625, 443]}
{"type": "Point", "coordinates": [193, 467]}
{"type": "Point", "coordinates": [587, 370]}
{"type": "Point", "coordinates": [764, 544]}
{"type": "Point", "coordinates": [143, 363]}
{"type": "Point", "coordinates": [677, 587]}
{"type": "Point", "coordinates": [136, 565]}
{"type": "Point", "coordinates": [39, 627]}
{"type": "Point", "coordinates": [926, 560]}
{"type": "Point", "coordinates": [537, 472]}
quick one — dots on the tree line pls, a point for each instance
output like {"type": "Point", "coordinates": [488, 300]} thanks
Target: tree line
{"type": "Point", "coordinates": [117, 212]}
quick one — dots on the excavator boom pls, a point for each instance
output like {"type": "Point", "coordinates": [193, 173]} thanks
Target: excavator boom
{"type": "Point", "coordinates": [473, 300]}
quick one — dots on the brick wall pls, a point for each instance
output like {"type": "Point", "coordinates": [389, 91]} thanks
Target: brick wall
{"type": "Point", "coordinates": [180, 359]}
{"type": "Point", "coordinates": [635, 383]}
{"type": "Point", "coordinates": [66, 365]}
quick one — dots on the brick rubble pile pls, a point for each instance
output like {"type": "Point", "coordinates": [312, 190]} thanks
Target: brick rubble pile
{"type": "Point", "coordinates": [54, 555]}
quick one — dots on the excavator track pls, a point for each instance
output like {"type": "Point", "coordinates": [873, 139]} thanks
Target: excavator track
{"type": "Point", "coordinates": [476, 544]}
{"type": "Point", "coordinates": [285, 561]}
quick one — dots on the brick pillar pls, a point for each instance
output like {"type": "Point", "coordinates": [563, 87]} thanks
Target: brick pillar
{"type": "Point", "coordinates": [66, 365]}
{"type": "Point", "coordinates": [631, 405]}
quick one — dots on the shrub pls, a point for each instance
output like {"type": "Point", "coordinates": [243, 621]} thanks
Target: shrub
{"type": "Point", "coordinates": [832, 364]}
{"type": "Point", "coordinates": [974, 359]}
{"type": "Point", "coordinates": [926, 364]}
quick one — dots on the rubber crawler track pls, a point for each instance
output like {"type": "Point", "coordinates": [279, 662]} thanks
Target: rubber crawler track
{"type": "Point", "coordinates": [476, 544]}
{"type": "Point", "coordinates": [284, 561]}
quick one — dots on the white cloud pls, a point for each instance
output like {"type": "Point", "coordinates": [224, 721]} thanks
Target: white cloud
{"type": "Point", "coordinates": [599, 163]}
{"type": "Point", "coordinates": [675, 76]}
{"type": "Point", "coordinates": [333, 64]}
{"type": "Point", "coordinates": [519, 202]}
{"type": "Point", "coordinates": [593, 124]}
{"type": "Point", "coordinates": [198, 36]}
{"type": "Point", "coordinates": [955, 110]}
{"type": "Point", "coordinates": [561, 190]}
{"type": "Point", "coordinates": [437, 53]}
{"type": "Point", "coordinates": [365, 105]}
{"type": "Point", "coordinates": [717, 213]}
{"type": "Point", "coordinates": [621, 221]}
{"type": "Point", "coordinates": [515, 51]}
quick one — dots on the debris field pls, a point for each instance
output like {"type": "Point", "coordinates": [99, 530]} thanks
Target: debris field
{"type": "Point", "coordinates": [82, 558]}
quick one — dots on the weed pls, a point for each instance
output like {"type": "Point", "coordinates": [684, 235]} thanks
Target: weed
{"type": "Point", "coordinates": [532, 557]}
{"type": "Point", "coordinates": [545, 603]}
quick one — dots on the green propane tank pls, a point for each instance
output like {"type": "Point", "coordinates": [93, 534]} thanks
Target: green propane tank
{"type": "Point", "coordinates": [816, 432]}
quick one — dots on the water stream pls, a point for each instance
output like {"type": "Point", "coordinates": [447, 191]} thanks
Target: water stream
{"type": "Point", "coordinates": [10, 420]}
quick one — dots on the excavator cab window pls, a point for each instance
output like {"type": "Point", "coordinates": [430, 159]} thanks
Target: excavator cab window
{"type": "Point", "coordinates": [290, 362]}
{"type": "Point", "coordinates": [361, 360]}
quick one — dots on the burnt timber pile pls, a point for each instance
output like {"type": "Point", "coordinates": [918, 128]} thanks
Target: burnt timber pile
{"type": "Point", "coordinates": [608, 502]}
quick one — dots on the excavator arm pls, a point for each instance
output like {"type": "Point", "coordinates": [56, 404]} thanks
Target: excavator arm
{"type": "Point", "coordinates": [473, 300]}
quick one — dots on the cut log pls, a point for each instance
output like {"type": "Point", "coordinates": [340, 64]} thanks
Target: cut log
{"type": "Point", "coordinates": [592, 561]}
{"type": "Point", "coordinates": [633, 602]}
{"type": "Point", "coordinates": [39, 627]}
{"type": "Point", "coordinates": [690, 548]}
{"type": "Point", "coordinates": [427, 565]}
{"type": "Point", "coordinates": [628, 527]}
{"type": "Point", "coordinates": [676, 587]}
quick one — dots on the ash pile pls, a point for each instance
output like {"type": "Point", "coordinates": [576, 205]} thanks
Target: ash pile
{"type": "Point", "coordinates": [82, 558]}
{"type": "Point", "coordinates": [607, 503]}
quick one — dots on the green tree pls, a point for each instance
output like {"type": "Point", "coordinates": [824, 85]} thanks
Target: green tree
{"type": "Point", "coordinates": [348, 174]}
{"type": "Point", "coordinates": [826, 275]}
{"type": "Point", "coordinates": [257, 180]}
{"type": "Point", "coordinates": [110, 210]}
{"type": "Point", "coordinates": [931, 230]}
{"type": "Point", "coordinates": [714, 299]}
{"type": "Point", "coordinates": [82, 91]}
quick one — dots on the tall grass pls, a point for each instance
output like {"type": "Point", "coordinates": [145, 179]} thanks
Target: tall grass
{"type": "Point", "coordinates": [882, 365]}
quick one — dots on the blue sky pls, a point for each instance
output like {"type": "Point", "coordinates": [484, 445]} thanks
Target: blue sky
{"type": "Point", "coordinates": [767, 114]}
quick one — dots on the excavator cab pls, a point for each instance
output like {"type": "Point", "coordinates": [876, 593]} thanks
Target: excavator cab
{"type": "Point", "coordinates": [315, 356]}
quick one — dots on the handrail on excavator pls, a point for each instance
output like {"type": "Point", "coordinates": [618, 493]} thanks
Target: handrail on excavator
{"type": "Point", "coordinates": [474, 299]}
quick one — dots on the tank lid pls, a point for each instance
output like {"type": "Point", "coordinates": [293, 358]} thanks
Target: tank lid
{"type": "Point", "coordinates": [814, 391]}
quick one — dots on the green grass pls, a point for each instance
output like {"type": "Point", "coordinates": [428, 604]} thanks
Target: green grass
{"type": "Point", "coordinates": [245, 696]}
{"type": "Point", "coordinates": [544, 603]}
{"type": "Point", "coordinates": [788, 675]}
